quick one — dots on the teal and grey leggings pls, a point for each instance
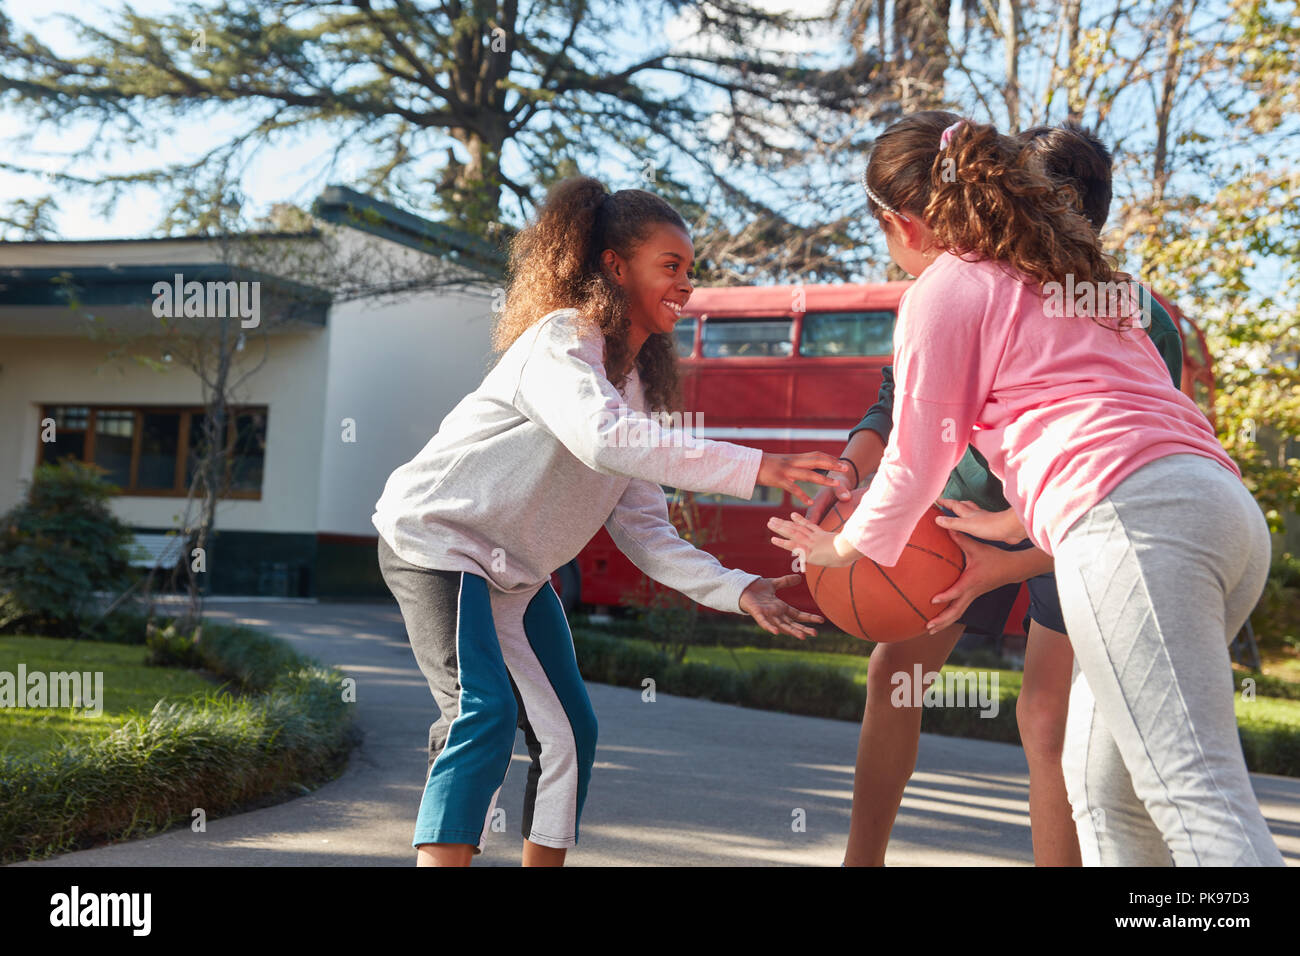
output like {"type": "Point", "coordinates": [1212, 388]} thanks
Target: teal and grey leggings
{"type": "Point", "coordinates": [1155, 580]}
{"type": "Point", "coordinates": [495, 661]}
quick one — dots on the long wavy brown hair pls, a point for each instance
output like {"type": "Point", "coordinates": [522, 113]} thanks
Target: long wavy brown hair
{"type": "Point", "coordinates": [555, 264]}
{"type": "Point", "coordinates": [985, 196]}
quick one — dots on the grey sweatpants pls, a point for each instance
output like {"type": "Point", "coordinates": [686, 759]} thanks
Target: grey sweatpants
{"type": "Point", "coordinates": [1155, 580]}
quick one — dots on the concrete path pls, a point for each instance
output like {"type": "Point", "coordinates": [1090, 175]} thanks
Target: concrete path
{"type": "Point", "coordinates": [677, 781]}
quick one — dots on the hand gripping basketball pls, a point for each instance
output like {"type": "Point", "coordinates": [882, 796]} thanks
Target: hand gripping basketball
{"type": "Point", "coordinates": [887, 604]}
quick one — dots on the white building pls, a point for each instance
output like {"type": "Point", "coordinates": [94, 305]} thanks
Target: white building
{"type": "Point", "coordinates": [348, 388]}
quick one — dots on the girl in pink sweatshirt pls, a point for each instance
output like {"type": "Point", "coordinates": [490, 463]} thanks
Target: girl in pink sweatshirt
{"type": "Point", "coordinates": [1020, 338]}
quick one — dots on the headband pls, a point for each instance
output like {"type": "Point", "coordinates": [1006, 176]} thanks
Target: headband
{"type": "Point", "coordinates": [871, 194]}
{"type": "Point", "coordinates": [944, 139]}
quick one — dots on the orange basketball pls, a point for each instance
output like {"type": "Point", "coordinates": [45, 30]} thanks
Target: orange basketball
{"type": "Point", "coordinates": [884, 604]}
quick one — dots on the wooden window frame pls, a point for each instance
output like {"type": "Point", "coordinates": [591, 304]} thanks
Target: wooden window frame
{"type": "Point", "coordinates": [178, 489]}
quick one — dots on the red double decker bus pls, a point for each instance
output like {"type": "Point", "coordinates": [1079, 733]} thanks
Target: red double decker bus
{"type": "Point", "coordinates": [786, 369]}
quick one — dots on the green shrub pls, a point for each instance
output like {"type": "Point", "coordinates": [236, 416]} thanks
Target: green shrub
{"type": "Point", "coordinates": [170, 647]}
{"type": "Point", "coordinates": [219, 754]}
{"type": "Point", "coordinates": [1276, 619]}
{"type": "Point", "coordinates": [57, 548]}
{"type": "Point", "coordinates": [1271, 743]}
{"type": "Point", "coordinates": [812, 689]}
{"type": "Point", "coordinates": [119, 627]}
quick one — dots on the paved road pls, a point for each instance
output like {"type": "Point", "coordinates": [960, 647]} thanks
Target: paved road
{"type": "Point", "coordinates": [677, 781]}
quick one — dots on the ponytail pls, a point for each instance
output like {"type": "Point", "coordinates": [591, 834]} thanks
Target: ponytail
{"type": "Point", "coordinates": [555, 264]}
{"type": "Point", "coordinates": [983, 197]}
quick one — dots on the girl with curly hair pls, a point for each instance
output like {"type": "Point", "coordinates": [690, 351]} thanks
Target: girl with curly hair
{"type": "Point", "coordinates": [1160, 551]}
{"type": "Point", "coordinates": [565, 434]}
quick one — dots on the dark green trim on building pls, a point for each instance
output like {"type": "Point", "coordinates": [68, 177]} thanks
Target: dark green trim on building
{"type": "Point", "coordinates": [133, 286]}
{"type": "Point", "coordinates": [287, 564]}
{"type": "Point", "coordinates": [257, 563]}
{"type": "Point", "coordinates": [347, 207]}
{"type": "Point", "coordinates": [347, 570]}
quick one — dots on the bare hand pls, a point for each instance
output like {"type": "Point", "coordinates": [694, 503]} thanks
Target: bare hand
{"type": "Point", "coordinates": [825, 500]}
{"type": "Point", "coordinates": [985, 570]}
{"type": "Point", "coordinates": [783, 471]}
{"type": "Point", "coordinates": [808, 542]}
{"type": "Point", "coordinates": [974, 520]}
{"type": "Point", "coordinates": [773, 615]}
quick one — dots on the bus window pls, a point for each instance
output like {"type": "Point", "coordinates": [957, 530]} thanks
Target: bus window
{"type": "Point", "coordinates": [763, 495]}
{"type": "Point", "coordinates": [810, 489]}
{"type": "Point", "coordinates": [847, 333]}
{"type": "Point", "coordinates": [765, 338]}
{"type": "Point", "coordinates": [684, 334]}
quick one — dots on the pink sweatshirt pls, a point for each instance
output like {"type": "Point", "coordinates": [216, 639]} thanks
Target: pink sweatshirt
{"type": "Point", "coordinates": [1062, 408]}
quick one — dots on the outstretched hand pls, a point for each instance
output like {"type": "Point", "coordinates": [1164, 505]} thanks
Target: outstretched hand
{"type": "Point", "coordinates": [809, 542]}
{"type": "Point", "coordinates": [826, 497]}
{"type": "Point", "coordinates": [786, 471]}
{"type": "Point", "coordinates": [974, 520]}
{"type": "Point", "coordinates": [773, 615]}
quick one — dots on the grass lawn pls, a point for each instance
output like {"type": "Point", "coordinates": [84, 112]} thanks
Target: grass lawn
{"type": "Point", "coordinates": [1268, 710]}
{"type": "Point", "coordinates": [128, 686]}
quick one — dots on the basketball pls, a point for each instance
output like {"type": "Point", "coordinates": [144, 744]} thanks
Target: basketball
{"type": "Point", "coordinates": [883, 604]}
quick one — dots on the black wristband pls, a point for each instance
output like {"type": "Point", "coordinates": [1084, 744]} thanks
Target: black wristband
{"type": "Point", "coordinates": [856, 477]}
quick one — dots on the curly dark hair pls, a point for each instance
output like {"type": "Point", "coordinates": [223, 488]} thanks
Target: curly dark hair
{"type": "Point", "coordinates": [555, 264]}
{"type": "Point", "coordinates": [1075, 157]}
{"type": "Point", "coordinates": [985, 196]}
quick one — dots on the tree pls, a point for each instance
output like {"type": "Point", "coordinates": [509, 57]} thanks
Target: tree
{"type": "Point", "coordinates": [1198, 103]}
{"type": "Point", "coordinates": [1233, 245]}
{"type": "Point", "coordinates": [440, 101]}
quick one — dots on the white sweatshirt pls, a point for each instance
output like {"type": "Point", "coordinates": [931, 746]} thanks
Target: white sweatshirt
{"type": "Point", "coordinates": [526, 468]}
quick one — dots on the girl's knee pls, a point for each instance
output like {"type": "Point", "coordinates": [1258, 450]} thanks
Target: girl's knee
{"type": "Point", "coordinates": [498, 725]}
{"type": "Point", "coordinates": [1041, 721]}
{"type": "Point", "coordinates": [884, 661]}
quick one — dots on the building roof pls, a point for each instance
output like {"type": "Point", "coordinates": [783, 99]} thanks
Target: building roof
{"type": "Point", "coordinates": [122, 272]}
{"type": "Point", "coordinates": [344, 206]}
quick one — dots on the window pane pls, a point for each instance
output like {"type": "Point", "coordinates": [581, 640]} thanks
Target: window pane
{"type": "Point", "coordinates": [684, 333]}
{"type": "Point", "coordinates": [66, 444]}
{"type": "Point", "coordinates": [250, 451]}
{"type": "Point", "coordinates": [113, 434]}
{"type": "Point", "coordinates": [748, 338]}
{"type": "Point", "coordinates": [763, 495]}
{"type": "Point", "coordinates": [847, 333]}
{"type": "Point", "coordinates": [69, 417]}
{"type": "Point", "coordinates": [160, 434]}
{"type": "Point", "coordinates": [198, 442]}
